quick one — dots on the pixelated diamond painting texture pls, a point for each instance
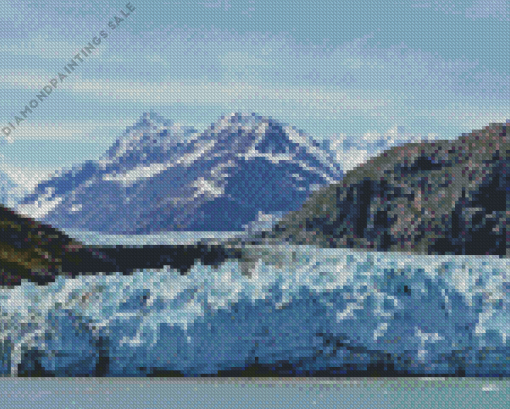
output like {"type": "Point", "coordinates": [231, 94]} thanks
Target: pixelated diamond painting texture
{"type": "Point", "coordinates": [255, 189]}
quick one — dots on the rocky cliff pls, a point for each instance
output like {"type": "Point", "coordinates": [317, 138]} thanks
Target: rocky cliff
{"type": "Point", "coordinates": [440, 197]}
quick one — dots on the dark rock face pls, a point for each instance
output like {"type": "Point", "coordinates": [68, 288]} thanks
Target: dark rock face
{"type": "Point", "coordinates": [33, 251]}
{"type": "Point", "coordinates": [29, 250]}
{"type": "Point", "coordinates": [441, 197]}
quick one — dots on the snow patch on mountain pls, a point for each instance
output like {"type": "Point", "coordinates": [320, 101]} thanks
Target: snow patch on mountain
{"type": "Point", "coordinates": [134, 175]}
{"type": "Point", "coordinates": [10, 192]}
{"type": "Point", "coordinates": [163, 176]}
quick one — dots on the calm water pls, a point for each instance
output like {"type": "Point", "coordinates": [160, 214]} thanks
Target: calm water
{"type": "Point", "coordinates": [352, 393]}
{"type": "Point", "coordinates": [171, 238]}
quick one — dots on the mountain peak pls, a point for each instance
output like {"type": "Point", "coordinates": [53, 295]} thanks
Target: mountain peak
{"type": "Point", "coordinates": [157, 177]}
{"type": "Point", "coordinates": [235, 116]}
{"type": "Point", "coordinates": [153, 117]}
{"type": "Point", "coordinates": [239, 118]}
{"type": "Point", "coordinates": [150, 138]}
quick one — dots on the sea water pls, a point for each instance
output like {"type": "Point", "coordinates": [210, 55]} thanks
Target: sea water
{"type": "Point", "coordinates": [312, 308]}
{"type": "Point", "coordinates": [122, 393]}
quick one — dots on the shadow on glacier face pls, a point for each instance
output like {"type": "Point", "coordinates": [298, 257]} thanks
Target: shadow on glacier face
{"type": "Point", "coordinates": [389, 322]}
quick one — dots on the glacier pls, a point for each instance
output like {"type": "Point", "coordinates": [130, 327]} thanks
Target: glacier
{"type": "Point", "coordinates": [312, 309]}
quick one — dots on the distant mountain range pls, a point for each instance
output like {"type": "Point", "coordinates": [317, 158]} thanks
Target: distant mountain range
{"type": "Point", "coordinates": [160, 176]}
{"type": "Point", "coordinates": [10, 192]}
{"type": "Point", "coordinates": [440, 197]}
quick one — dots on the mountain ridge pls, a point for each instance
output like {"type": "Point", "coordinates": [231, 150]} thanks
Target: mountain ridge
{"type": "Point", "coordinates": [439, 197]}
{"type": "Point", "coordinates": [160, 176]}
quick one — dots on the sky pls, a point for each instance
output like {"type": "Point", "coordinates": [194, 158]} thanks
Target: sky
{"type": "Point", "coordinates": [351, 70]}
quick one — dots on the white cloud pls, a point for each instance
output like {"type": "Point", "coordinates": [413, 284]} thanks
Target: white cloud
{"type": "Point", "coordinates": [498, 9]}
{"type": "Point", "coordinates": [77, 131]}
{"type": "Point", "coordinates": [6, 139]}
{"type": "Point", "coordinates": [152, 58]}
{"type": "Point", "coordinates": [224, 4]}
{"type": "Point", "coordinates": [328, 99]}
{"type": "Point", "coordinates": [324, 99]}
{"type": "Point", "coordinates": [351, 151]}
{"type": "Point", "coordinates": [409, 78]}
{"type": "Point", "coordinates": [44, 48]}
{"type": "Point", "coordinates": [467, 115]}
{"type": "Point", "coordinates": [242, 59]}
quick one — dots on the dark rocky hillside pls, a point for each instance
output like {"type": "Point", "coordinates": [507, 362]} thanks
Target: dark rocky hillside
{"type": "Point", "coordinates": [33, 251]}
{"type": "Point", "coordinates": [30, 250]}
{"type": "Point", "coordinates": [441, 197]}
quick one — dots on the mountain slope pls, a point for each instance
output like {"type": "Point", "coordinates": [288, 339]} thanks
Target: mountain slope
{"type": "Point", "coordinates": [441, 197]}
{"type": "Point", "coordinates": [10, 192]}
{"type": "Point", "coordinates": [30, 250]}
{"type": "Point", "coordinates": [159, 176]}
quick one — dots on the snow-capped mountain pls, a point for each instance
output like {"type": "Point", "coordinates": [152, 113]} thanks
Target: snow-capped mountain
{"type": "Point", "coordinates": [161, 176]}
{"type": "Point", "coordinates": [10, 192]}
{"type": "Point", "coordinates": [153, 139]}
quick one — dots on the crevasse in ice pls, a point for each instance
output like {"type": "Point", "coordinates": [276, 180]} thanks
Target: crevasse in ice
{"type": "Point", "coordinates": [313, 308]}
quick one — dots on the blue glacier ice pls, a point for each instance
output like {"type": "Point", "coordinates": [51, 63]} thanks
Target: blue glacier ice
{"type": "Point", "coordinates": [312, 308]}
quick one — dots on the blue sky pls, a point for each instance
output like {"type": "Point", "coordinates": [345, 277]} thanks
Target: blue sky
{"type": "Point", "coordinates": [362, 70]}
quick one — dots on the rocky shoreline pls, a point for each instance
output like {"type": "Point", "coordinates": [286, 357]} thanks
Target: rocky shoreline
{"type": "Point", "coordinates": [94, 260]}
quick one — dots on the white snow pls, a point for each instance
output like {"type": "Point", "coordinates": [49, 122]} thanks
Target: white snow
{"type": "Point", "coordinates": [76, 208]}
{"type": "Point", "coordinates": [134, 175]}
{"type": "Point", "coordinates": [211, 161]}
{"type": "Point", "coordinates": [207, 187]}
{"type": "Point", "coordinates": [190, 158]}
{"type": "Point", "coordinates": [297, 303]}
{"type": "Point", "coordinates": [39, 209]}
{"type": "Point", "coordinates": [45, 204]}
